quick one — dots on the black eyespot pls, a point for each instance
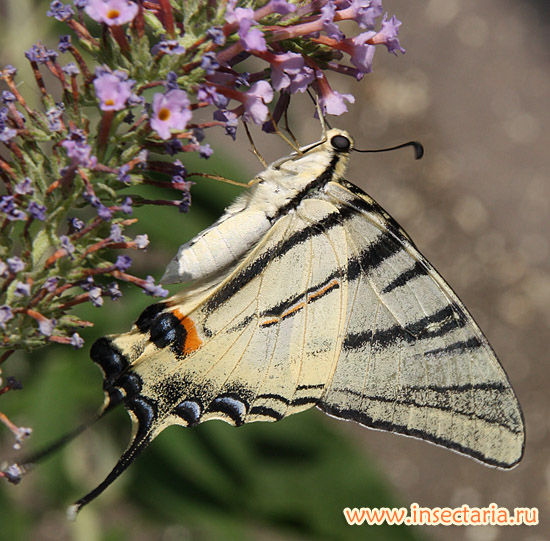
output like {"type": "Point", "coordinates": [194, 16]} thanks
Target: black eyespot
{"type": "Point", "coordinates": [340, 142]}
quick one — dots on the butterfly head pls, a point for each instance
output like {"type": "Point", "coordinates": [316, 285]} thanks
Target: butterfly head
{"type": "Point", "coordinates": [336, 140]}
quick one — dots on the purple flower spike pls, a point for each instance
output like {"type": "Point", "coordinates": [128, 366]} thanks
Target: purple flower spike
{"type": "Point", "coordinates": [252, 39]}
{"type": "Point", "coordinates": [179, 169]}
{"type": "Point", "coordinates": [64, 43]}
{"type": "Point", "coordinates": [5, 315]}
{"type": "Point", "coordinates": [38, 212]}
{"type": "Point", "coordinates": [123, 262]}
{"type": "Point", "coordinates": [209, 95]}
{"type": "Point", "coordinates": [126, 206]}
{"type": "Point", "coordinates": [170, 47]}
{"type": "Point", "coordinates": [123, 175]}
{"type": "Point", "coordinates": [216, 35]}
{"type": "Point", "coordinates": [142, 241]}
{"type": "Point", "coordinates": [80, 153]}
{"type": "Point", "coordinates": [388, 35]}
{"type": "Point", "coordinates": [70, 69]}
{"type": "Point", "coordinates": [104, 213]}
{"type": "Point", "coordinates": [281, 6]}
{"type": "Point", "coordinates": [22, 289]}
{"type": "Point", "coordinates": [151, 289]}
{"type": "Point", "coordinates": [329, 26]}
{"type": "Point", "coordinates": [113, 90]}
{"type": "Point", "coordinates": [95, 296]}
{"type": "Point", "coordinates": [53, 115]}
{"type": "Point", "coordinates": [76, 341]}
{"type": "Point", "coordinates": [113, 291]}
{"type": "Point", "coordinates": [9, 209]}
{"type": "Point", "coordinates": [284, 67]}
{"type": "Point", "coordinates": [173, 146]}
{"type": "Point", "coordinates": [255, 108]}
{"type": "Point", "coordinates": [7, 134]}
{"type": "Point", "coordinates": [205, 151]}
{"type": "Point", "coordinates": [60, 11]}
{"type": "Point", "coordinates": [10, 70]}
{"type": "Point", "coordinates": [67, 245]}
{"type": "Point", "coordinates": [185, 202]}
{"type": "Point", "coordinates": [331, 102]}
{"type": "Point", "coordinates": [116, 233]}
{"type": "Point", "coordinates": [7, 97]}
{"type": "Point", "coordinates": [209, 63]}
{"type": "Point", "coordinates": [15, 264]}
{"type": "Point", "coordinates": [231, 128]}
{"type": "Point", "coordinates": [365, 12]}
{"type": "Point", "coordinates": [111, 12]}
{"type": "Point", "coordinates": [171, 80]}
{"type": "Point", "coordinates": [75, 224]}
{"type": "Point", "coordinates": [51, 284]}
{"type": "Point", "coordinates": [301, 81]}
{"type": "Point", "coordinates": [361, 53]}
{"type": "Point", "coordinates": [46, 326]}
{"type": "Point", "coordinates": [170, 112]}
{"type": "Point", "coordinates": [24, 187]}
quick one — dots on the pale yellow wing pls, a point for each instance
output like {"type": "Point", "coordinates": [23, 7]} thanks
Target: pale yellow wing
{"type": "Point", "coordinates": [413, 360]}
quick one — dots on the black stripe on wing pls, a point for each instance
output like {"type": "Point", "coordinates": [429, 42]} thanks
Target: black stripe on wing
{"type": "Point", "coordinates": [275, 399]}
{"type": "Point", "coordinates": [367, 420]}
{"type": "Point", "coordinates": [248, 273]}
{"type": "Point", "coordinates": [462, 399]}
{"type": "Point", "coordinates": [435, 325]}
{"type": "Point", "coordinates": [418, 269]}
{"type": "Point", "coordinates": [365, 203]}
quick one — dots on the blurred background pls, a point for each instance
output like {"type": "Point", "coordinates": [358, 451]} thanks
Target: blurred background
{"type": "Point", "coordinates": [474, 88]}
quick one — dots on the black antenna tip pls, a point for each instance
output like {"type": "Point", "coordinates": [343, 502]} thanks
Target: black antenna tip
{"type": "Point", "coordinates": [418, 149]}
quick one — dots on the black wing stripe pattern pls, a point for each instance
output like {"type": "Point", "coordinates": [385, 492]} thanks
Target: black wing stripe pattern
{"type": "Point", "coordinates": [428, 370]}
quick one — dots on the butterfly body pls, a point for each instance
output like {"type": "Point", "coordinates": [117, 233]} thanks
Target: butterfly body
{"type": "Point", "coordinates": [273, 193]}
{"type": "Point", "coordinates": [306, 293]}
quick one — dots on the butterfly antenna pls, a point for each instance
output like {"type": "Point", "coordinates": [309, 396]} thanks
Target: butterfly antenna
{"type": "Point", "coordinates": [418, 149]}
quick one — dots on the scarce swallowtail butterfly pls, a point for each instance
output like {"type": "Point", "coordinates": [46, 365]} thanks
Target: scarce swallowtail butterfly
{"type": "Point", "coordinates": [307, 293]}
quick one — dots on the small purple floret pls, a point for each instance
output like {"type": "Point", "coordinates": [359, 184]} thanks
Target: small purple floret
{"type": "Point", "coordinates": [113, 90]}
{"type": "Point", "coordinates": [111, 12]}
{"type": "Point", "coordinates": [170, 112]}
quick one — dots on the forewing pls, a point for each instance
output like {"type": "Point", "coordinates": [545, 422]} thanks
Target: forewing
{"type": "Point", "coordinates": [413, 360]}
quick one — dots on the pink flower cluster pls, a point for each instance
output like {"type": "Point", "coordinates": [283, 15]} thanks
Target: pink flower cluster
{"type": "Point", "coordinates": [290, 72]}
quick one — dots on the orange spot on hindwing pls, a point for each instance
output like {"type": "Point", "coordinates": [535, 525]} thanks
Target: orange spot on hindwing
{"type": "Point", "coordinates": [192, 340]}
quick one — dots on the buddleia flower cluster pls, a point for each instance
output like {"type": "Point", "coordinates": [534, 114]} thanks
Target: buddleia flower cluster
{"type": "Point", "coordinates": [125, 86]}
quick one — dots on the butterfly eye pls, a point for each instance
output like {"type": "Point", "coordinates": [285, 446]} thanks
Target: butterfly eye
{"type": "Point", "coordinates": [340, 142]}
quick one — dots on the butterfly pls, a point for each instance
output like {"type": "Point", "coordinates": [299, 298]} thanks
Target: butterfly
{"type": "Point", "coordinates": [307, 293]}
